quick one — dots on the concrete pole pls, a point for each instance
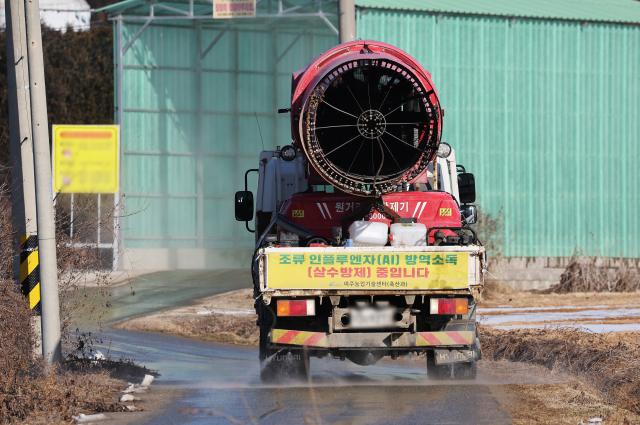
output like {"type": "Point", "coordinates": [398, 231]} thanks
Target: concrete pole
{"type": "Point", "coordinates": [117, 198]}
{"type": "Point", "coordinates": [51, 348]}
{"type": "Point", "coordinates": [23, 192]}
{"type": "Point", "coordinates": [347, 13]}
{"type": "Point", "coordinates": [20, 146]}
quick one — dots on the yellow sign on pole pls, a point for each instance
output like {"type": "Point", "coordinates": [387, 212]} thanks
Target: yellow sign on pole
{"type": "Point", "coordinates": [86, 158]}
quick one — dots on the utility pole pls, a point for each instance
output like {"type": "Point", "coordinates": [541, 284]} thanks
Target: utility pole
{"type": "Point", "coordinates": [51, 347]}
{"type": "Point", "coordinates": [347, 14]}
{"type": "Point", "coordinates": [23, 191]}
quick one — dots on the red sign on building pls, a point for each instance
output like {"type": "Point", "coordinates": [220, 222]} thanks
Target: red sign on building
{"type": "Point", "coordinates": [225, 9]}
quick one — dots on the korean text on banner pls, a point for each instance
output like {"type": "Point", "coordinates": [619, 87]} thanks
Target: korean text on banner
{"type": "Point", "coordinates": [366, 271]}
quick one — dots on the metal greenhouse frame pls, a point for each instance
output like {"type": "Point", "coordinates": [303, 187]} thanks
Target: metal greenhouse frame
{"type": "Point", "coordinates": [191, 246]}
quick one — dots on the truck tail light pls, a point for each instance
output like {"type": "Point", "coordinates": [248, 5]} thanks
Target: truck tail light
{"type": "Point", "coordinates": [296, 307]}
{"type": "Point", "coordinates": [449, 306]}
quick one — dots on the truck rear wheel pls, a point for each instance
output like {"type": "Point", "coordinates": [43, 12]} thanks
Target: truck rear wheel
{"type": "Point", "coordinates": [283, 364]}
{"type": "Point", "coordinates": [465, 370]}
{"type": "Point", "coordinates": [435, 371]}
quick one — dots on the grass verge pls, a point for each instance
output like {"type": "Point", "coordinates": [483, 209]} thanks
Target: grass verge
{"type": "Point", "coordinates": [30, 391]}
{"type": "Point", "coordinates": [607, 362]}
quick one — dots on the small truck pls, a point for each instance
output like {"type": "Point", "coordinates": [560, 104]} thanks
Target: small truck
{"type": "Point", "coordinates": [364, 245]}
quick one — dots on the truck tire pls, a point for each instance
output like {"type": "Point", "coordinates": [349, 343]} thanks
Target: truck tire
{"type": "Point", "coordinates": [285, 366]}
{"type": "Point", "coordinates": [435, 371]}
{"type": "Point", "coordinates": [265, 323]}
{"type": "Point", "coordinates": [264, 352]}
{"type": "Point", "coordinates": [465, 370]}
{"type": "Point", "coordinates": [279, 365]}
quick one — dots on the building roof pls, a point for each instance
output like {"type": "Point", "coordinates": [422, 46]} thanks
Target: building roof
{"type": "Point", "coordinates": [205, 7]}
{"type": "Point", "coordinates": [141, 7]}
{"type": "Point", "coordinates": [268, 14]}
{"type": "Point", "coordinates": [617, 11]}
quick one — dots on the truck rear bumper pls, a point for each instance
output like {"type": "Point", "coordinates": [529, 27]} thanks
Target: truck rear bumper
{"type": "Point", "coordinates": [347, 340]}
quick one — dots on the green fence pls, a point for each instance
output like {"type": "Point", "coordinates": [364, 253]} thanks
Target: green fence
{"type": "Point", "coordinates": [199, 102]}
{"type": "Point", "coordinates": [545, 113]}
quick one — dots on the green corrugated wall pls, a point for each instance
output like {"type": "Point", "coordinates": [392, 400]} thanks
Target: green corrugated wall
{"type": "Point", "coordinates": [190, 127]}
{"type": "Point", "coordinates": [546, 113]}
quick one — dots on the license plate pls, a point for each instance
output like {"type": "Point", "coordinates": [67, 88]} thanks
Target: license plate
{"type": "Point", "coordinates": [453, 356]}
{"type": "Point", "coordinates": [369, 318]}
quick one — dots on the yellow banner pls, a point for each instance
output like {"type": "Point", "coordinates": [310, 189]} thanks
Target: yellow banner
{"type": "Point", "coordinates": [370, 270]}
{"type": "Point", "coordinates": [86, 158]}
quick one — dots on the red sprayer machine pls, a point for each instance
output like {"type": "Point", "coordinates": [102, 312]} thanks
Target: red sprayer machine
{"type": "Point", "coordinates": [363, 245]}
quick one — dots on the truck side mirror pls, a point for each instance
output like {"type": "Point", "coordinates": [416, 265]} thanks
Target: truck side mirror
{"type": "Point", "coordinates": [469, 214]}
{"type": "Point", "coordinates": [244, 205]}
{"type": "Point", "coordinates": [467, 188]}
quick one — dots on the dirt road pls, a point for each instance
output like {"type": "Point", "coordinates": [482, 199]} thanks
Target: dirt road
{"type": "Point", "coordinates": [221, 386]}
{"type": "Point", "coordinates": [218, 384]}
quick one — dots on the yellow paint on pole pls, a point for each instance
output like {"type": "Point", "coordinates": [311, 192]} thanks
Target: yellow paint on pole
{"type": "Point", "coordinates": [370, 270]}
{"type": "Point", "coordinates": [30, 271]}
{"type": "Point", "coordinates": [86, 158]}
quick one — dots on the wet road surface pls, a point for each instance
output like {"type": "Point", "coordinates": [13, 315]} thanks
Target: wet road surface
{"type": "Point", "coordinates": [221, 386]}
{"type": "Point", "coordinates": [159, 291]}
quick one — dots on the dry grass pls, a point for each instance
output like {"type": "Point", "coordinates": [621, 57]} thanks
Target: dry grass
{"type": "Point", "coordinates": [494, 290]}
{"type": "Point", "coordinates": [499, 295]}
{"type": "Point", "coordinates": [584, 275]}
{"type": "Point", "coordinates": [15, 349]}
{"type": "Point", "coordinates": [30, 392]}
{"type": "Point", "coordinates": [568, 403]}
{"type": "Point", "coordinates": [55, 397]}
{"type": "Point", "coordinates": [27, 392]}
{"type": "Point", "coordinates": [227, 329]}
{"type": "Point", "coordinates": [226, 318]}
{"type": "Point", "coordinates": [222, 328]}
{"type": "Point", "coordinates": [607, 362]}
{"type": "Point", "coordinates": [490, 231]}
